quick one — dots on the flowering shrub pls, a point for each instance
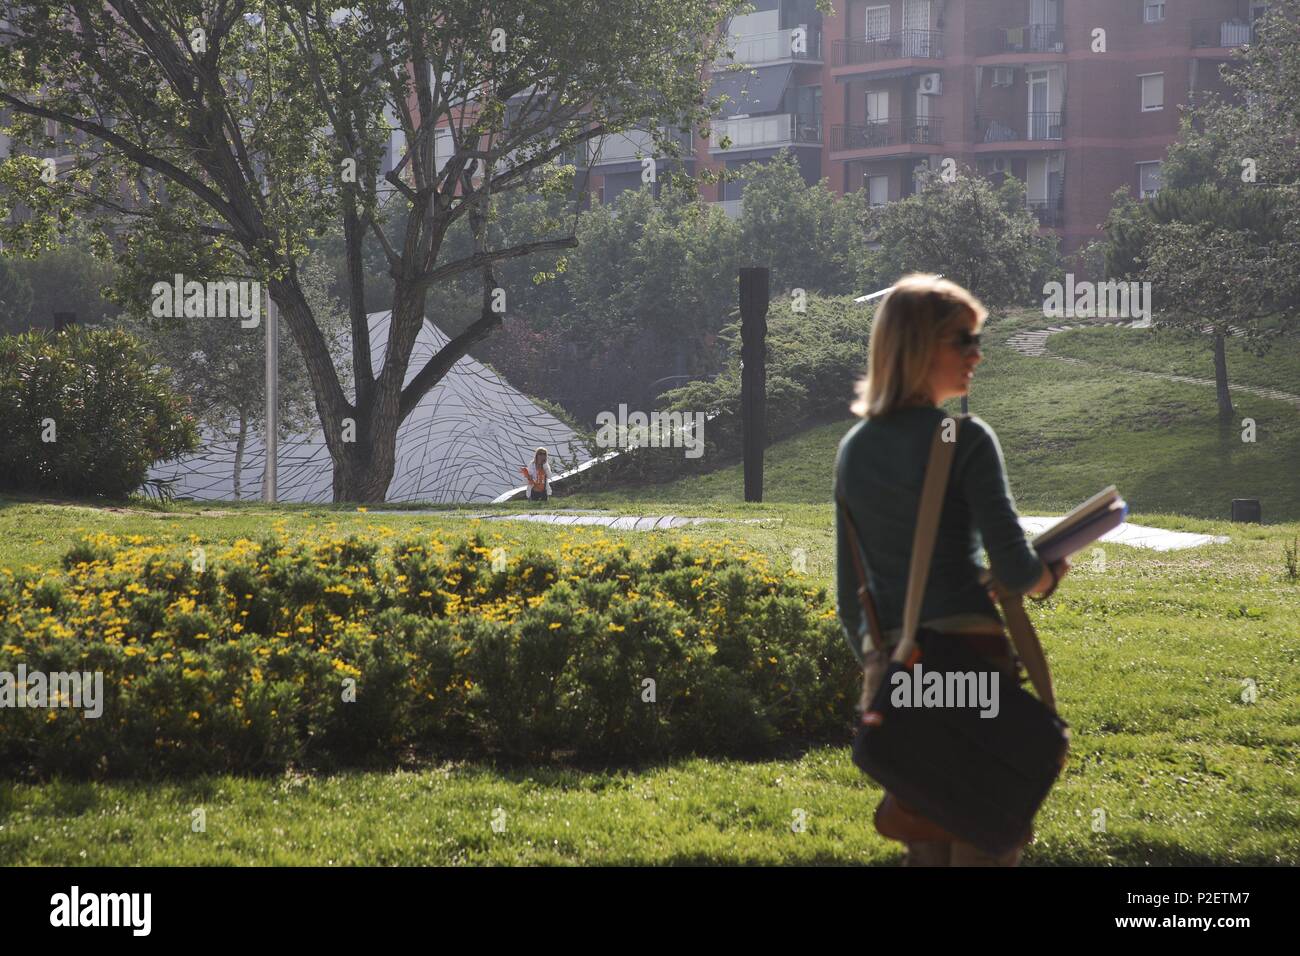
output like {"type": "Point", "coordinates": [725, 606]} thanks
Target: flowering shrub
{"type": "Point", "coordinates": [347, 651]}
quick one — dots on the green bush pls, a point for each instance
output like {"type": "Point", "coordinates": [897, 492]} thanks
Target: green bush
{"type": "Point", "coordinates": [83, 412]}
{"type": "Point", "coordinates": [346, 652]}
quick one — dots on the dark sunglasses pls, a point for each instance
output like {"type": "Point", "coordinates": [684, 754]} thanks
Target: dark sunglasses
{"type": "Point", "coordinates": [967, 341]}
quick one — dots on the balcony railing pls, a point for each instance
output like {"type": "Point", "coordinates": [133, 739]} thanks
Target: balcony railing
{"type": "Point", "coordinates": [773, 47]}
{"type": "Point", "coordinates": [1221, 33]}
{"type": "Point", "coordinates": [1049, 212]}
{"type": "Point", "coordinates": [627, 147]}
{"type": "Point", "coordinates": [750, 132]}
{"type": "Point", "coordinates": [905, 44]}
{"type": "Point", "coordinates": [927, 131]}
{"type": "Point", "coordinates": [732, 207]}
{"type": "Point", "coordinates": [1030, 38]}
{"type": "Point", "coordinates": [1033, 126]}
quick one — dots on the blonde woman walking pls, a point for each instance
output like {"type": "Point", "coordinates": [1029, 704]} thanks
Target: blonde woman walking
{"type": "Point", "coordinates": [925, 346]}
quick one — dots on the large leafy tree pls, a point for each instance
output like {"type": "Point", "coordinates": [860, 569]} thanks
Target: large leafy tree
{"type": "Point", "coordinates": [810, 238]}
{"type": "Point", "coordinates": [15, 298]}
{"type": "Point", "coordinates": [236, 132]}
{"type": "Point", "coordinates": [1217, 262]}
{"type": "Point", "coordinates": [222, 367]}
{"type": "Point", "coordinates": [656, 278]}
{"type": "Point", "coordinates": [980, 237]}
{"type": "Point", "coordinates": [1220, 243]}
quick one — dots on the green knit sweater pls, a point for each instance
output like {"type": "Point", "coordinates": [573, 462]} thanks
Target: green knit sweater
{"type": "Point", "coordinates": [884, 462]}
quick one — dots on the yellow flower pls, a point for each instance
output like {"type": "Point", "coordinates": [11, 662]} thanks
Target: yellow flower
{"type": "Point", "coordinates": [616, 627]}
{"type": "Point", "coordinates": [555, 625]}
{"type": "Point", "coordinates": [194, 715]}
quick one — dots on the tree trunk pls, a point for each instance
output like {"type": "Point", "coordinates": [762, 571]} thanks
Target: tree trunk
{"type": "Point", "coordinates": [239, 450]}
{"type": "Point", "coordinates": [1226, 411]}
{"type": "Point", "coordinates": [363, 469]}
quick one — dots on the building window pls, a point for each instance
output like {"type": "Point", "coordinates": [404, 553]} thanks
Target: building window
{"type": "Point", "coordinates": [1153, 92]}
{"type": "Point", "coordinates": [877, 190]}
{"type": "Point", "coordinates": [877, 23]}
{"type": "Point", "coordinates": [1153, 11]}
{"type": "Point", "coordinates": [1148, 179]}
{"type": "Point", "coordinates": [877, 106]}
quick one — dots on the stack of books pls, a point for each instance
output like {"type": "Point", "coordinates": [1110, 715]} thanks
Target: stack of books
{"type": "Point", "coordinates": [1103, 512]}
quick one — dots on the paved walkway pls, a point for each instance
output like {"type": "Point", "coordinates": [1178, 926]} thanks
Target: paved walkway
{"type": "Point", "coordinates": [1134, 535]}
{"type": "Point", "coordinates": [1034, 342]}
{"type": "Point", "coordinates": [619, 522]}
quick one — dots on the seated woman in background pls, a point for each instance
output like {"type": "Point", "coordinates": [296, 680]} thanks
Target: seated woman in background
{"type": "Point", "coordinates": [538, 478]}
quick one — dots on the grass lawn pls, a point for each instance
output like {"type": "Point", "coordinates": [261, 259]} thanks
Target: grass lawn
{"type": "Point", "coordinates": [1150, 656]}
{"type": "Point", "coordinates": [1162, 350]}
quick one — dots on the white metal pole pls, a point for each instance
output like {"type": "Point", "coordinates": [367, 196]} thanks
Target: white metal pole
{"type": "Point", "coordinates": [272, 439]}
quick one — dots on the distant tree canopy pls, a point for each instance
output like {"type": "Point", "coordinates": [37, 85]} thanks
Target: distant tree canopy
{"type": "Point", "coordinates": [981, 237]}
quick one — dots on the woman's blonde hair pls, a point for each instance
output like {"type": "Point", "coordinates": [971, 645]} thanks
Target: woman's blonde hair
{"type": "Point", "coordinates": [909, 325]}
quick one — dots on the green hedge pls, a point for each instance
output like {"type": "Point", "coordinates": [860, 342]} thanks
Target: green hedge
{"type": "Point", "coordinates": [85, 412]}
{"type": "Point", "coordinates": [243, 665]}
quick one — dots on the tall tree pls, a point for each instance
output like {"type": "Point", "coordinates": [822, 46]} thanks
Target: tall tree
{"type": "Point", "coordinates": [15, 298]}
{"type": "Point", "coordinates": [983, 238]}
{"type": "Point", "coordinates": [1217, 262]}
{"type": "Point", "coordinates": [242, 130]}
{"type": "Point", "coordinates": [221, 365]}
{"type": "Point", "coordinates": [810, 238]}
{"type": "Point", "coordinates": [1220, 243]}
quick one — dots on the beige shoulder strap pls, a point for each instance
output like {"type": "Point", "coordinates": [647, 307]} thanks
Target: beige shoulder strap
{"type": "Point", "coordinates": [1025, 638]}
{"type": "Point", "coordinates": [1023, 635]}
{"type": "Point", "coordinates": [927, 526]}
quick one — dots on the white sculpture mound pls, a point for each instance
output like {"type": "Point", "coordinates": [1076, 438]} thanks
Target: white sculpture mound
{"type": "Point", "coordinates": [465, 441]}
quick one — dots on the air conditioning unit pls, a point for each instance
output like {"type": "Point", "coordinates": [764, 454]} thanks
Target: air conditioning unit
{"type": "Point", "coordinates": [1004, 75]}
{"type": "Point", "coordinates": [931, 84]}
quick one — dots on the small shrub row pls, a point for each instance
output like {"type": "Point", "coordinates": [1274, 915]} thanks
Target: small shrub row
{"type": "Point", "coordinates": [335, 652]}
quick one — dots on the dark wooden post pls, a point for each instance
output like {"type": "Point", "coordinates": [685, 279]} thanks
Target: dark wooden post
{"type": "Point", "coordinates": [753, 376]}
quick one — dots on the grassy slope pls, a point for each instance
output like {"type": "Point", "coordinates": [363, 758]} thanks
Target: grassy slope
{"type": "Point", "coordinates": [1067, 431]}
{"type": "Point", "coordinates": [1167, 351]}
{"type": "Point", "coordinates": [1149, 657]}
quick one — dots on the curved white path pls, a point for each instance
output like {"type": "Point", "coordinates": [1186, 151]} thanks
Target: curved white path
{"type": "Point", "coordinates": [1133, 535]}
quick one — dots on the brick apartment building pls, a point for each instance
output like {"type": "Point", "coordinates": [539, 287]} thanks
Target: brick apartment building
{"type": "Point", "coordinates": [1008, 87]}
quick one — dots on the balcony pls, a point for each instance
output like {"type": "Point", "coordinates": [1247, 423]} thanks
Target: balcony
{"type": "Point", "coordinates": [1031, 127]}
{"type": "Point", "coordinates": [903, 45]}
{"type": "Point", "coordinates": [731, 207]}
{"type": "Point", "coordinates": [1213, 33]}
{"type": "Point", "coordinates": [764, 48]}
{"type": "Point", "coordinates": [1029, 38]}
{"type": "Point", "coordinates": [627, 147]}
{"type": "Point", "coordinates": [763, 132]}
{"type": "Point", "coordinates": [1050, 213]}
{"type": "Point", "coordinates": [881, 134]}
